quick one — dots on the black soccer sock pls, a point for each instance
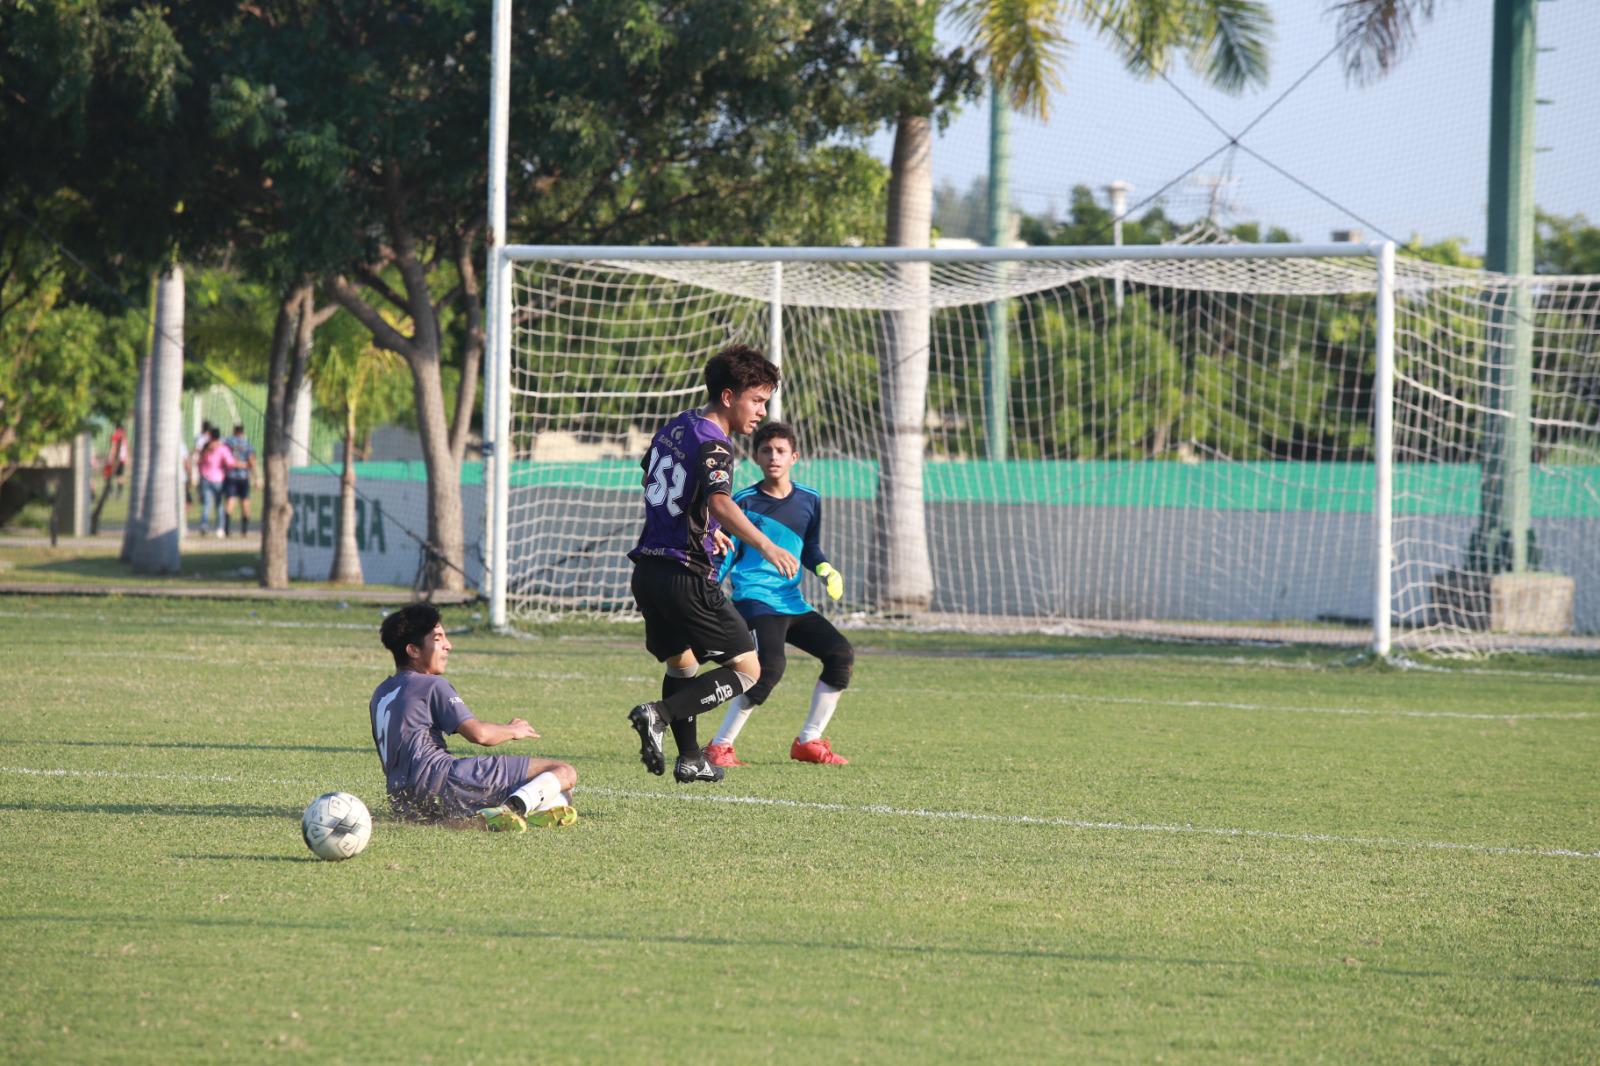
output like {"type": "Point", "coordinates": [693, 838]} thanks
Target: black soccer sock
{"type": "Point", "coordinates": [244, 530]}
{"type": "Point", "coordinates": [227, 524]}
{"type": "Point", "coordinates": [683, 732]}
{"type": "Point", "coordinates": [702, 693]}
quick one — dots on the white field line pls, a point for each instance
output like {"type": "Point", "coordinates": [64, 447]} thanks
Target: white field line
{"type": "Point", "coordinates": [914, 812]}
{"type": "Point", "coordinates": [1377, 712]}
{"type": "Point", "coordinates": [100, 616]}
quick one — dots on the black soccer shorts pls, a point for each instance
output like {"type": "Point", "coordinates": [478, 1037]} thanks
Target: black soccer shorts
{"type": "Point", "coordinates": [685, 612]}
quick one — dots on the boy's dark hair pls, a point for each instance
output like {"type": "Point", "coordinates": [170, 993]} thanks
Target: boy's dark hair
{"type": "Point", "coordinates": [774, 429]}
{"type": "Point", "coordinates": [738, 367]}
{"type": "Point", "coordinates": [238, 429]}
{"type": "Point", "coordinates": [408, 625]}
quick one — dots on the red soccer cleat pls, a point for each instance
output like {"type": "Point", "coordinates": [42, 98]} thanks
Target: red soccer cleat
{"type": "Point", "coordinates": [818, 751]}
{"type": "Point", "coordinates": [723, 755]}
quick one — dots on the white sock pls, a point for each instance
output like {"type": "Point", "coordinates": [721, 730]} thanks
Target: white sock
{"type": "Point", "coordinates": [540, 794]}
{"type": "Point", "coordinates": [739, 709]}
{"type": "Point", "coordinates": [824, 700]}
{"type": "Point", "coordinates": [563, 800]}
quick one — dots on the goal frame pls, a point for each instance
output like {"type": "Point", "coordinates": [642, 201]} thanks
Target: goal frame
{"type": "Point", "coordinates": [497, 365]}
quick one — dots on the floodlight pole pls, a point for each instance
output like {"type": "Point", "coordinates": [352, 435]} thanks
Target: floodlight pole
{"type": "Point", "coordinates": [1383, 452]}
{"type": "Point", "coordinates": [496, 378]}
{"type": "Point", "coordinates": [1502, 541]}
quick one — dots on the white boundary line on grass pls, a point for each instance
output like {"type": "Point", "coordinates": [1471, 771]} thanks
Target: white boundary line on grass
{"type": "Point", "coordinates": [1382, 712]}
{"type": "Point", "coordinates": [914, 812]}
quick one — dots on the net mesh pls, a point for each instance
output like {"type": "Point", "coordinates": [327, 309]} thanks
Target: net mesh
{"type": "Point", "coordinates": [1177, 445]}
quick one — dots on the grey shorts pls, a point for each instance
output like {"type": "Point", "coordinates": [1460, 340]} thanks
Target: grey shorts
{"type": "Point", "coordinates": [474, 782]}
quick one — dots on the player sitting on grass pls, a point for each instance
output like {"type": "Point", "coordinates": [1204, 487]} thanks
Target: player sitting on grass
{"type": "Point", "coordinates": [687, 619]}
{"type": "Point", "coordinates": [414, 709]}
{"type": "Point", "coordinates": [774, 607]}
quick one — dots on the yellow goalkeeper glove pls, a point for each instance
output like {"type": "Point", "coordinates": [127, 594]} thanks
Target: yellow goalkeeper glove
{"type": "Point", "coordinates": [833, 579]}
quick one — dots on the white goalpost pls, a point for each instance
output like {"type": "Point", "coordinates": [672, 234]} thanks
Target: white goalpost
{"type": "Point", "coordinates": [607, 342]}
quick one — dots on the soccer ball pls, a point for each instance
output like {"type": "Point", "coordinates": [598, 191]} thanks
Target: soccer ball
{"type": "Point", "coordinates": [336, 826]}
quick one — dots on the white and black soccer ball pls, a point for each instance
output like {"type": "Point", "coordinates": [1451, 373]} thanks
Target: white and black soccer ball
{"type": "Point", "coordinates": [336, 826]}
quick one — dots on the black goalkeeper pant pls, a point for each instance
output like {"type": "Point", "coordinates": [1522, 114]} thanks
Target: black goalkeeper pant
{"type": "Point", "coordinates": [812, 634]}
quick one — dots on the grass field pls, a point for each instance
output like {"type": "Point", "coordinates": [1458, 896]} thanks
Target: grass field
{"type": "Point", "coordinates": [1044, 849]}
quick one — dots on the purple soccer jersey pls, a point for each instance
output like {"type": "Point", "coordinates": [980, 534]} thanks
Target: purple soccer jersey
{"type": "Point", "coordinates": [689, 461]}
{"type": "Point", "coordinates": [411, 713]}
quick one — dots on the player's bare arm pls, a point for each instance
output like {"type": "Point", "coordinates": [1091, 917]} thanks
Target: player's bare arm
{"type": "Point", "coordinates": [490, 734]}
{"type": "Point", "coordinates": [730, 517]}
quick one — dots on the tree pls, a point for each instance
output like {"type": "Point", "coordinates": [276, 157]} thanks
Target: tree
{"type": "Point", "coordinates": [356, 380]}
{"type": "Point", "coordinates": [61, 361]}
{"type": "Point", "coordinates": [1566, 245]}
{"type": "Point", "coordinates": [1022, 49]}
{"type": "Point", "coordinates": [630, 123]}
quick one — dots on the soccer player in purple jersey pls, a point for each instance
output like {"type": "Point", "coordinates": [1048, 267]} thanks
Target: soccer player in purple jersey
{"type": "Point", "coordinates": [416, 707]}
{"type": "Point", "coordinates": [688, 501]}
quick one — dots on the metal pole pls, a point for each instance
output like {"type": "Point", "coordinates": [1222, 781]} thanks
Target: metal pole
{"type": "Point", "coordinates": [998, 390]}
{"type": "Point", "coordinates": [1502, 537]}
{"type": "Point", "coordinates": [1118, 192]}
{"type": "Point", "coordinates": [775, 338]}
{"type": "Point", "coordinates": [1383, 448]}
{"type": "Point", "coordinates": [496, 421]}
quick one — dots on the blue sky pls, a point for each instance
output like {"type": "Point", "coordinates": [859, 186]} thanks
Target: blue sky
{"type": "Point", "coordinates": [1409, 155]}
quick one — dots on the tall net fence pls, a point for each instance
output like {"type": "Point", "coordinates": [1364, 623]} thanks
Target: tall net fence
{"type": "Point", "coordinates": [1164, 445]}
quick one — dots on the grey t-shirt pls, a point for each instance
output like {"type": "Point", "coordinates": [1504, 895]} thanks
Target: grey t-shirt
{"type": "Point", "coordinates": [411, 715]}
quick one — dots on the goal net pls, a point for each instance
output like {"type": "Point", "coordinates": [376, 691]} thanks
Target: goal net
{"type": "Point", "coordinates": [1175, 441]}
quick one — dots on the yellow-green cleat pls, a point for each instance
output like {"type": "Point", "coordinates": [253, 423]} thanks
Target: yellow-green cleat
{"type": "Point", "coordinates": [553, 817]}
{"type": "Point", "coordinates": [503, 819]}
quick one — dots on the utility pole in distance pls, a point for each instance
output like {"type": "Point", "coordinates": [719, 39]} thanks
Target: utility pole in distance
{"type": "Point", "coordinates": [1118, 191]}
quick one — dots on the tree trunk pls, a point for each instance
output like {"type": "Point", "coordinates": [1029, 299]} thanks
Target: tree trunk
{"type": "Point", "coordinates": [472, 351]}
{"type": "Point", "coordinates": [133, 526]}
{"type": "Point", "coordinates": [445, 562]}
{"type": "Point", "coordinates": [155, 548]}
{"type": "Point", "coordinates": [276, 512]}
{"type": "Point", "coordinates": [346, 554]}
{"type": "Point", "coordinates": [300, 406]}
{"type": "Point", "coordinates": [904, 573]}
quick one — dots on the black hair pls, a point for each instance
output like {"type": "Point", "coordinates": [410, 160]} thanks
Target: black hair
{"type": "Point", "coordinates": [774, 429]}
{"type": "Point", "coordinates": [238, 428]}
{"type": "Point", "coordinates": [409, 625]}
{"type": "Point", "coordinates": [738, 367]}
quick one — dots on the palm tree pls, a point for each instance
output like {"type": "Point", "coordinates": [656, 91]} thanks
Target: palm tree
{"type": "Point", "coordinates": [1022, 43]}
{"type": "Point", "coordinates": [348, 373]}
{"type": "Point", "coordinates": [154, 545]}
{"type": "Point", "coordinates": [1376, 34]}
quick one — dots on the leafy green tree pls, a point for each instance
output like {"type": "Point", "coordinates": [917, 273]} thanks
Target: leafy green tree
{"type": "Point", "coordinates": [630, 122]}
{"type": "Point", "coordinates": [60, 362]}
{"type": "Point", "coordinates": [1566, 245]}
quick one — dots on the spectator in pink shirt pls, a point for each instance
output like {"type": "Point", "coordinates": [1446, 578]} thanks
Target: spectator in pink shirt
{"type": "Point", "coordinates": [216, 459]}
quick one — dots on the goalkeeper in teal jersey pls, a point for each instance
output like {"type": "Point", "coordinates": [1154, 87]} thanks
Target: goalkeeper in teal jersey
{"type": "Point", "coordinates": [775, 609]}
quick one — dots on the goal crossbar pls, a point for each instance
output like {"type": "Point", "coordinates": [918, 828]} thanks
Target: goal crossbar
{"type": "Point", "coordinates": [1051, 253]}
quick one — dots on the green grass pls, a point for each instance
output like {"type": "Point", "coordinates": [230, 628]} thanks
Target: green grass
{"type": "Point", "coordinates": [157, 905]}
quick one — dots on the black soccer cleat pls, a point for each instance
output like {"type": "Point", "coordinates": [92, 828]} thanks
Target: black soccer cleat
{"type": "Point", "coordinates": [695, 767]}
{"type": "Point", "coordinates": [648, 721]}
